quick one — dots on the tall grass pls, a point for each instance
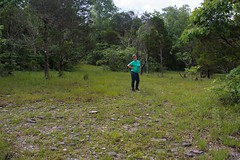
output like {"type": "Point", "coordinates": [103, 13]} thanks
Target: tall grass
{"type": "Point", "coordinates": [52, 119]}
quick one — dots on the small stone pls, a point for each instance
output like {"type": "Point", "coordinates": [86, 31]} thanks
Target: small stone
{"type": "Point", "coordinates": [136, 124]}
{"type": "Point", "coordinates": [159, 139]}
{"type": "Point", "coordinates": [234, 155]}
{"type": "Point", "coordinates": [111, 153]}
{"type": "Point", "coordinates": [113, 119]}
{"type": "Point", "coordinates": [53, 148]}
{"type": "Point", "coordinates": [93, 112]}
{"type": "Point", "coordinates": [174, 150]}
{"type": "Point", "coordinates": [65, 149]}
{"type": "Point", "coordinates": [62, 143]}
{"type": "Point", "coordinates": [3, 104]}
{"type": "Point", "coordinates": [53, 108]}
{"type": "Point", "coordinates": [40, 117]}
{"type": "Point", "coordinates": [187, 144]}
{"type": "Point", "coordinates": [31, 120]}
{"type": "Point", "coordinates": [197, 152]}
{"type": "Point", "coordinates": [151, 158]}
{"type": "Point", "coordinates": [155, 140]}
{"type": "Point", "coordinates": [72, 144]}
{"type": "Point", "coordinates": [189, 154]}
{"type": "Point", "coordinates": [163, 139]}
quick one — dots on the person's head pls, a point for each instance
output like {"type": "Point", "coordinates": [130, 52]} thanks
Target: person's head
{"type": "Point", "coordinates": [134, 56]}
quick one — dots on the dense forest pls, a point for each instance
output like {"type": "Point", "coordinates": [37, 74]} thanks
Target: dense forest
{"type": "Point", "coordinates": [57, 34]}
{"type": "Point", "coordinates": [65, 91]}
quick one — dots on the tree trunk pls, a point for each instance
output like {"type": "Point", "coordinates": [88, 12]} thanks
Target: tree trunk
{"type": "Point", "coordinates": [146, 60]}
{"type": "Point", "coordinates": [46, 63]}
{"type": "Point", "coordinates": [208, 74]}
{"type": "Point", "coordinates": [60, 67]}
{"type": "Point", "coordinates": [161, 61]}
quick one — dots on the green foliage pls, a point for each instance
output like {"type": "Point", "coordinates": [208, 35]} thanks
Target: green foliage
{"type": "Point", "coordinates": [193, 71]}
{"type": "Point", "coordinates": [4, 148]}
{"type": "Point", "coordinates": [220, 154]}
{"type": "Point", "coordinates": [152, 36]}
{"type": "Point", "coordinates": [233, 85]}
{"type": "Point", "coordinates": [229, 88]}
{"type": "Point", "coordinates": [116, 58]}
{"type": "Point", "coordinates": [154, 66]}
{"type": "Point", "coordinates": [215, 28]}
{"type": "Point", "coordinates": [152, 123]}
{"type": "Point", "coordinates": [2, 40]}
{"type": "Point", "coordinates": [40, 33]}
{"type": "Point", "coordinates": [121, 22]}
{"type": "Point", "coordinates": [176, 20]}
{"type": "Point", "coordinates": [190, 34]}
{"type": "Point", "coordinates": [101, 13]}
{"type": "Point", "coordinates": [61, 30]}
{"type": "Point", "coordinates": [110, 37]}
{"type": "Point", "coordinates": [3, 64]}
{"type": "Point", "coordinates": [97, 54]}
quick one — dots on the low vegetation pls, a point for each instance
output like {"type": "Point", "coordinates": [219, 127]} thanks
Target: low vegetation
{"type": "Point", "coordinates": [92, 113]}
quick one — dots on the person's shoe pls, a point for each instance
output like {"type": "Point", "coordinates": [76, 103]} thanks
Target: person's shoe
{"type": "Point", "coordinates": [133, 89]}
{"type": "Point", "coordinates": [137, 89]}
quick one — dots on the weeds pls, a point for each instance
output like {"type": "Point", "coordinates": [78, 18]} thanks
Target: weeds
{"type": "Point", "coordinates": [101, 118]}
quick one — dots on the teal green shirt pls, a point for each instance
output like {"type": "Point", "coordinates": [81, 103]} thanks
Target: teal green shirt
{"type": "Point", "coordinates": [136, 66]}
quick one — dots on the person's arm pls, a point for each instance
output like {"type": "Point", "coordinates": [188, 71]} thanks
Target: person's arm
{"type": "Point", "coordinates": [129, 66]}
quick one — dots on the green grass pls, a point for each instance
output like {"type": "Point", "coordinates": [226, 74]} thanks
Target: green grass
{"type": "Point", "coordinates": [4, 148]}
{"type": "Point", "coordinates": [152, 123]}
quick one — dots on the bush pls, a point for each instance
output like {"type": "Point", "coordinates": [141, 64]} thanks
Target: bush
{"type": "Point", "coordinates": [116, 58]}
{"type": "Point", "coordinates": [193, 71]}
{"type": "Point", "coordinates": [230, 90]}
{"type": "Point", "coordinates": [97, 54]}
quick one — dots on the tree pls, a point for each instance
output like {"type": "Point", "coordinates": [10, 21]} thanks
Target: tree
{"type": "Point", "coordinates": [64, 31]}
{"type": "Point", "coordinates": [216, 26]}
{"type": "Point", "coordinates": [12, 17]}
{"type": "Point", "coordinates": [101, 12]}
{"type": "Point", "coordinates": [175, 20]}
{"type": "Point", "coordinates": [162, 40]}
{"type": "Point", "coordinates": [152, 42]}
{"type": "Point", "coordinates": [2, 42]}
{"type": "Point", "coordinates": [121, 23]}
{"type": "Point", "coordinates": [45, 10]}
{"type": "Point", "coordinates": [126, 25]}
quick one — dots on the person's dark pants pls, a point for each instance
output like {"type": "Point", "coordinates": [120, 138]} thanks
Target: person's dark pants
{"type": "Point", "coordinates": [135, 77]}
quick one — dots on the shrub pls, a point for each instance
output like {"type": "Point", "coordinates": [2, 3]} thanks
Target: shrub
{"type": "Point", "coordinates": [230, 90]}
{"type": "Point", "coordinates": [97, 54]}
{"type": "Point", "coordinates": [116, 58]}
{"type": "Point", "coordinates": [193, 72]}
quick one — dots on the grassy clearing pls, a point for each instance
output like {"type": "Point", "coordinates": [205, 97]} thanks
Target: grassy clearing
{"type": "Point", "coordinates": [99, 117]}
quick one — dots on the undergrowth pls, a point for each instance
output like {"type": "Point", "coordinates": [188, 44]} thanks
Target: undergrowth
{"type": "Point", "coordinates": [92, 113]}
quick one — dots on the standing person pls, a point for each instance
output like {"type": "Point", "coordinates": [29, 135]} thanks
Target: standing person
{"type": "Point", "coordinates": [135, 67]}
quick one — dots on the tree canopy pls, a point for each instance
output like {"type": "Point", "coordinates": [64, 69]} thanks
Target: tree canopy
{"type": "Point", "coordinates": [56, 35]}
